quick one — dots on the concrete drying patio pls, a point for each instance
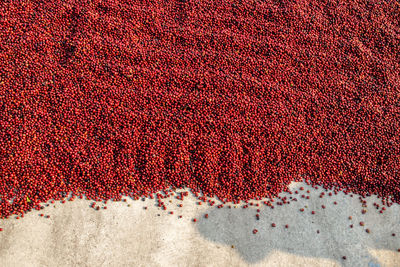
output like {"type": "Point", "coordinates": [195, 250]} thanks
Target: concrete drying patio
{"type": "Point", "coordinates": [126, 234]}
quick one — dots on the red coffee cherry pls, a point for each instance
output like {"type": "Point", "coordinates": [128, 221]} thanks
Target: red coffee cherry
{"type": "Point", "coordinates": [86, 125]}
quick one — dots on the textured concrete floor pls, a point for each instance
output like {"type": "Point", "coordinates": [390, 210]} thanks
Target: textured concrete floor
{"type": "Point", "coordinates": [122, 235]}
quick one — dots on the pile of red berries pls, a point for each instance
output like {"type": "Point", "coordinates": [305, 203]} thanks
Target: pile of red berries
{"type": "Point", "coordinates": [234, 99]}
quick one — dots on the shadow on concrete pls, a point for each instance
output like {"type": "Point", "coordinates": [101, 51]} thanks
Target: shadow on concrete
{"type": "Point", "coordinates": [335, 238]}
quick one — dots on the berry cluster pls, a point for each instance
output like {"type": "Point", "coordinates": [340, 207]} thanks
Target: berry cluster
{"type": "Point", "coordinates": [234, 99]}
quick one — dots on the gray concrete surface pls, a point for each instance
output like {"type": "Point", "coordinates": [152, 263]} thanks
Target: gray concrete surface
{"type": "Point", "coordinates": [125, 234]}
